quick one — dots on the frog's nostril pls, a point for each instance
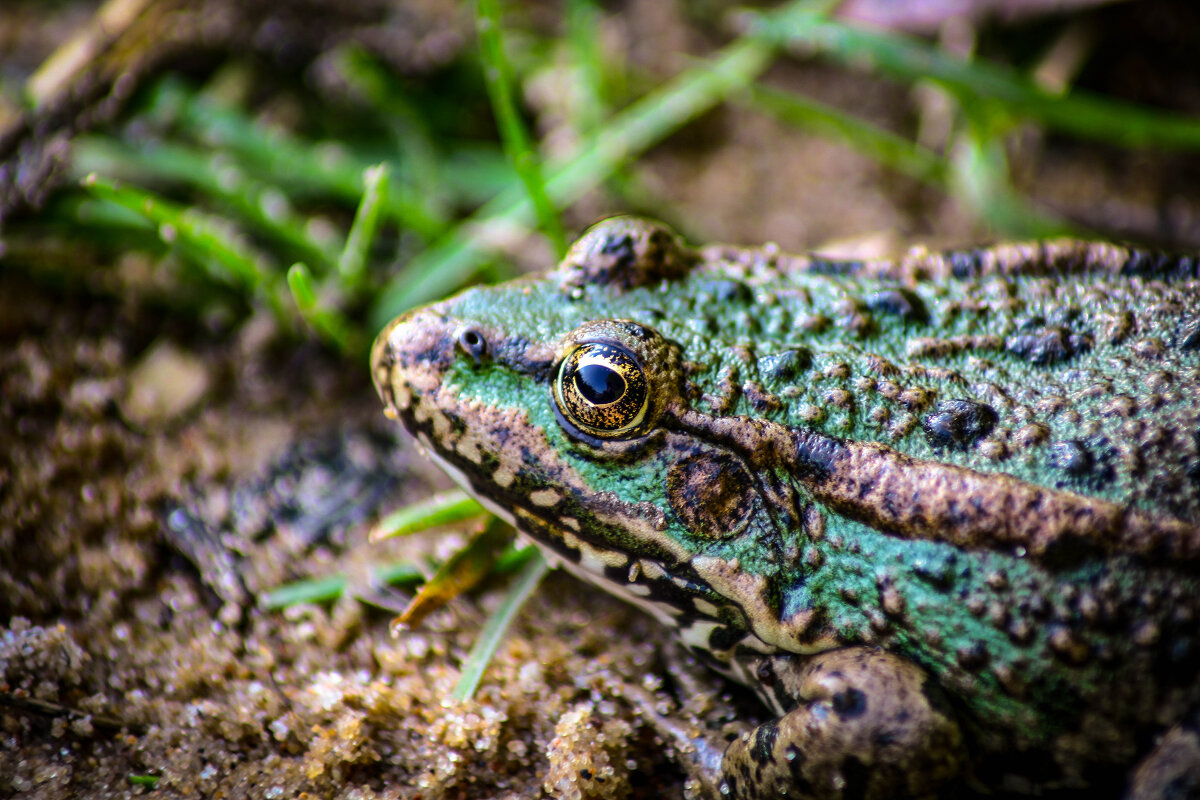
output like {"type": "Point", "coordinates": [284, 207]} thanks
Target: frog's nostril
{"type": "Point", "coordinates": [473, 344]}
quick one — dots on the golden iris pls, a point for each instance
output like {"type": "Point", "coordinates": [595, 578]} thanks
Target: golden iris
{"type": "Point", "coordinates": [601, 389]}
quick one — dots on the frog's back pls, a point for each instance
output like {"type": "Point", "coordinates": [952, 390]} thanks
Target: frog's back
{"type": "Point", "coordinates": [988, 462]}
{"type": "Point", "coordinates": [1072, 366]}
{"type": "Point", "coordinates": [1069, 366]}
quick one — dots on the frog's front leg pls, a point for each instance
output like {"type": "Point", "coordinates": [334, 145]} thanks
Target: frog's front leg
{"type": "Point", "coordinates": [1172, 768]}
{"type": "Point", "coordinates": [859, 722]}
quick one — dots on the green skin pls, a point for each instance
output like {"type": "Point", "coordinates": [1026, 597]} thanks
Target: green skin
{"type": "Point", "coordinates": [985, 465]}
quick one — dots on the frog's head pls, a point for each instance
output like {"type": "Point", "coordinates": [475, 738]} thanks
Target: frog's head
{"type": "Point", "coordinates": [559, 406]}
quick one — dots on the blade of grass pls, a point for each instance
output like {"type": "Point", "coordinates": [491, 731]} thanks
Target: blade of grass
{"type": "Point", "coordinates": [872, 141]}
{"type": "Point", "coordinates": [207, 241]}
{"type": "Point", "coordinates": [353, 262]}
{"type": "Point", "coordinates": [403, 117]}
{"type": "Point", "coordinates": [330, 323]}
{"type": "Point", "coordinates": [485, 646]}
{"type": "Point", "coordinates": [1080, 113]}
{"type": "Point", "coordinates": [647, 121]}
{"type": "Point", "coordinates": [176, 222]}
{"type": "Point", "coordinates": [441, 509]}
{"type": "Point", "coordinates": [290, 161]}
{"type": "Point", "coordinates": [477, 172]}
{"type": "Point", "coordinates": [261, 206]}
{"type": "Point", "coordinates": [461, 572]}
{"type": "Point", "coordinates": [980, 178]}
{"type": "Point", "coordinates": [330, 587]}
{"type": "Point", "coordinates": [517, 144]}
{"type": "Point", "coordinates": [583, 21]}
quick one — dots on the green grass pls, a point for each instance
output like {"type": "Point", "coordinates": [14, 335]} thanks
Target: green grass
{"type": "Point", "coordinates": [336, 228]}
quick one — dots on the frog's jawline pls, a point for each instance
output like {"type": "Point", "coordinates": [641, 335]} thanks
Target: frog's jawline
{"type": "Point", "coordinates": [459, 477]}
{"type": "Point", "coordinates": [694, 635]}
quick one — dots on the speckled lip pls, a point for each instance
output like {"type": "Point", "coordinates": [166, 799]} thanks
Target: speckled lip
{"type": "Point", "coordinates": [413, 351]}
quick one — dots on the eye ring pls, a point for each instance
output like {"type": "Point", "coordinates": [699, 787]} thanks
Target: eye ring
{"type": "Point", "coordinates": [473, 343]}
{"type": "Point", "coordinates": [601, 390]}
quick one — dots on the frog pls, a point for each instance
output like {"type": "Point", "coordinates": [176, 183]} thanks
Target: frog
{"type": "Point", "coordinates": [941, 512]}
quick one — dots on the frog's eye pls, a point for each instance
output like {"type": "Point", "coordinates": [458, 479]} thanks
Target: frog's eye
{"type": "Point", "coordinates": [601, 390]}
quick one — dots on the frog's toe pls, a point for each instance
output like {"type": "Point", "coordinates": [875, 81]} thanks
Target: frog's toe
{"type": "Point", "coordinates": [1171, 771]}
{"type": "Point", "coordinates": [867, 725]}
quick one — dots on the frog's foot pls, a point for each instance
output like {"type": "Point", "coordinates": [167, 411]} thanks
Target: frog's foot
{"type": "Point", "coordinates": [865, 724]}
{"type": "Point", "coordinates": [1171, 771]}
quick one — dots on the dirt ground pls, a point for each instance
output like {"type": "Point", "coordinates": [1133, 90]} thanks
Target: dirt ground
{"type": "Point", "coordinates": [128, 431]}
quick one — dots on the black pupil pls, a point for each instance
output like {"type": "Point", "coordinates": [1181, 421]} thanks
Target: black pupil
{"type": "Point", "coordinates": [599, 385]}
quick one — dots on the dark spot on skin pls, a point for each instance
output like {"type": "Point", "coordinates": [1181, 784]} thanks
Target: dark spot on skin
{"type": "Point", "coordinates": [818, 452]}
{"type": "Point", "coordinates": [724, 637]}
{"type": "Point", "coordinates": [764, 673]}
{"type": "Point", "coordinates": [1068, 551]}
{"type": "Point", "coordinates": [824, 266]}
{"type": "Point", "coordinates": [1160, 265]}
{"type": "Point", "coordinates": [936, 698]}
{"type": "Point", "coordinates": [620, 249]}
{"type": "Point", "coordinates": [1183, 657]}
{"type": "Point", "coordinates": [652, 314]}
{"type": "Point", "coordinates": [850, 704]}
{"type": "Point", "coordinates": [1062, 315]}
{"type": "Point", "coordinates": [501, 433]}
{"type": "Point", "coordinates": [882, 739]}
{"type": "Point", "coordinates": [1088, 463]}
{"type": "Point", "coordinates": [972, 657]}
{"type": "Point", "coordinates": [938, 573]}
{"type": "Point", "coordinates": [795, 760]}
{"type": "Point", "coordinates": [637, 331]}
{"type": "Point", "coordinates": [438, 353]}
{"type": "Point", "coordinates": [1072, 457]}
{"type": "Point", "coordinates": [764, 742]}
{"type": "Point", "coordinates": [965, 264]}
{"type": "Point", "coordinates": [1188, 336]}
{"type": "Point", "coordinates": [958, 423]}
{"type": "Point", "coordinates": [513, 352]}
{"type": "Point", "coordinates": [903, 303]}
{"type": "Point", "coordinates": [1049, 345]}
{"type": "Point", "coordinates": [726, 291]}
{"type": "Point", "coordinates": [786, 366]}
{"type": "Point", "coordinates": [1030, 322]}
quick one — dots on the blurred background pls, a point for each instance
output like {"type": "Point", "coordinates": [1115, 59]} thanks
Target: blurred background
{"type": "Point", "coordinates": [209, 207]}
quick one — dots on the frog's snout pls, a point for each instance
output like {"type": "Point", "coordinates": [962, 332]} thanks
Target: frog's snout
{"type": "Point", "coordinates": [410, 357]}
